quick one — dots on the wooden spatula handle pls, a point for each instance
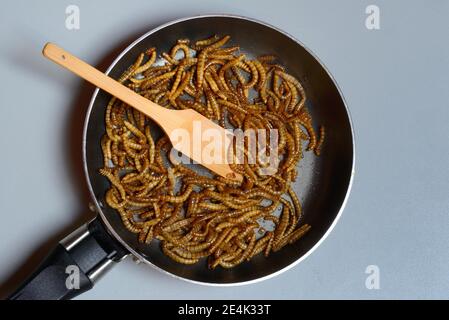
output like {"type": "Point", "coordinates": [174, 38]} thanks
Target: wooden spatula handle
{"type": "Point", "coordinates": [168, 120]}
{"type": "Point", "coordinates": [99, 79]}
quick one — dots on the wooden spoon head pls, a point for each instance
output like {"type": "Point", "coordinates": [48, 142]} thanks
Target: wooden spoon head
{"type": "Point", "coordinates": [201, 140]}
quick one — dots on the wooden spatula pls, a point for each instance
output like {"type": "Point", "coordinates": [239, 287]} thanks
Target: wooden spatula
{"type": "Point", "coordinates": [169, 120]}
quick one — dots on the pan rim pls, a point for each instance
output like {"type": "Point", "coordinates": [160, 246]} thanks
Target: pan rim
{"type": "Point", "coordinates": [138, 255]}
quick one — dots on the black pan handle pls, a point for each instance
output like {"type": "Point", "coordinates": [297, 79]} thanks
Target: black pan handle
{"type": "Point", "coordinates": [74, 265]}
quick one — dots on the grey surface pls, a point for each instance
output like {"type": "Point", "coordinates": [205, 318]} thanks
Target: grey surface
{"type": "Point", "coordinates": [394, 80]}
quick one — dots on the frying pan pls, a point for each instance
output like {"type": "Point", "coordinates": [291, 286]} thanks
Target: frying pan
{"type": "Point", "coordinates": [323, 185]}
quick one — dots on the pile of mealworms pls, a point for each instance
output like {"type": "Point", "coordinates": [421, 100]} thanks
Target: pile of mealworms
{"type": "Point", "coordinates": [197, 216]}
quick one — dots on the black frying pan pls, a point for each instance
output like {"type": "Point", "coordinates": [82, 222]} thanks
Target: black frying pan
{"type": "Point", "coordinates": [323, 186]}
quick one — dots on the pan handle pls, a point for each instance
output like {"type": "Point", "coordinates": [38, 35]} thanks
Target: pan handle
{"type": "Point", "coordinates": [74, 265]}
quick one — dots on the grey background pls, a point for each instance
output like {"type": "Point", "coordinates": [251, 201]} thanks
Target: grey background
{"type": "Point", "coordinates": [395, 81]}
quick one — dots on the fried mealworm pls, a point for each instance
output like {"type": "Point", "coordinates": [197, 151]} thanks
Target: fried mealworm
{"type": "Point", "coordinates": [194, 216]}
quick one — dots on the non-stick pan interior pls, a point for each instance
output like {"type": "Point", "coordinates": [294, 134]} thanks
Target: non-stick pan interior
{"type": "Point", "coordinates": [323, 182]}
